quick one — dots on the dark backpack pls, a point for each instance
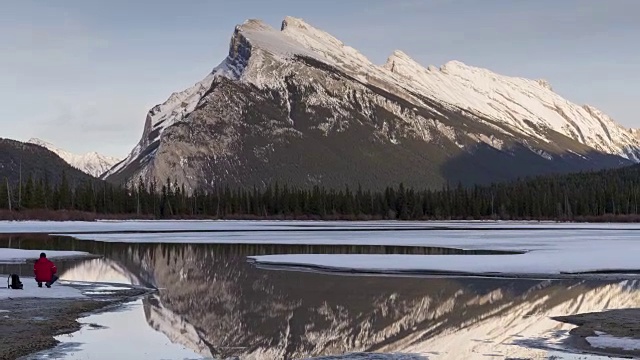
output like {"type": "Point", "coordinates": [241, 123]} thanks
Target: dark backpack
{"type": "Point", "coordinates": [13, 282]}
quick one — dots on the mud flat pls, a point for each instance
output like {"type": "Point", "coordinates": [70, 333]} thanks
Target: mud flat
{"type": "Point", "coordinates": [28, 325]}
{"type": "Point", "coordinates": [608, 333]}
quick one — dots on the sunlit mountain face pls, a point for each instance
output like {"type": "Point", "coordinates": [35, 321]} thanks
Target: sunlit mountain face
{"type": "Point", "coordinates": [211, 300]}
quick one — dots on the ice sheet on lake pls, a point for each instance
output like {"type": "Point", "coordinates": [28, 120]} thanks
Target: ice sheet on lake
{"type": "Point", "coordinates": [550, 247]}
{"type": "Point", "coordinates": [185, 225]}
{"type": "Point", "coordinates": [164, 225]}
{"type": "Point", "coordinates": [19, 255]}
{"type": "Point", "coordinates": [535, 262]}
{"type": "Point", "coordinates": [550, 251]}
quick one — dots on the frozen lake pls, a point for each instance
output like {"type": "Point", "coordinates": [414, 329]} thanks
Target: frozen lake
{"type": "Point", "coordinates": [212, 302]}
{"type": "Point", "coordinates": [544, 248]}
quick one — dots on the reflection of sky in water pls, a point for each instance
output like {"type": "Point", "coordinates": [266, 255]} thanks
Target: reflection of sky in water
{"type": "Point", "coordinates": [126, 336]}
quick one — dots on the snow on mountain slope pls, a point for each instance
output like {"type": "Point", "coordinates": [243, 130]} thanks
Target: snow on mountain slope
{"type": "Point", "coordinates": [161, 116]}
{"type": "Point", "coordinates": [342, 79]}
{"type": "Point", "coordinates": [517, 102]}
{"type": "Point", "coordinates": [527, 105]}
{"type": "Point", "coordinates": [91, 163]}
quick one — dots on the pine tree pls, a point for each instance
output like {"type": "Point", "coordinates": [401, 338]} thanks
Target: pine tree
{"type": "Point", "coordinates": [64, 193]}
{"type": "Point", "coordinates": [28, 199]}
{"type": "Point", "coordinates": [4, 195]}
{"type": "Point", "coordinates": [39, 195]}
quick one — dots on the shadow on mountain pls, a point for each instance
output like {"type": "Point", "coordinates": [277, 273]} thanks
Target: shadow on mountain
{"type": "Point", "coordinates": [485, 164]}
{"type": "Point", "coordinates": [19, 161]}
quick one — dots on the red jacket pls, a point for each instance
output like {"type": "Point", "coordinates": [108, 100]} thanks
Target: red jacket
{"type": "Point", "coordinates": [44, 270]}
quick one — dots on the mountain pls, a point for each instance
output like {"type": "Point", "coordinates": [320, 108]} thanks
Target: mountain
{"type": "Point", "coordinates": [298, 106]}
{"type": "Point", "coordinates": [90, 163]}
{"type": "Point", "coordinates": [23, 159]}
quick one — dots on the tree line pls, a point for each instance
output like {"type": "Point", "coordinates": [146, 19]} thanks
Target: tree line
{"type": "Point", "coordinates": [562, 197]}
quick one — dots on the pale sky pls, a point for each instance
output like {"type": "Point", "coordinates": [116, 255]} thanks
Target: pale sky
{"type": "Point", "coordinates": [83, 74]}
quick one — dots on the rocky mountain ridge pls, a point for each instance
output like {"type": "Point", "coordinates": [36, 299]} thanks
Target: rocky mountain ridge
{"type": "Point", "coordinates": [296, 105]}
{"type": "Point", "coordinates": [19, 161]}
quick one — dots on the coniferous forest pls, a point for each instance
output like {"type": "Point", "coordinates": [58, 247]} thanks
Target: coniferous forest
{"type": "Point", "coordinates": [594, 196]}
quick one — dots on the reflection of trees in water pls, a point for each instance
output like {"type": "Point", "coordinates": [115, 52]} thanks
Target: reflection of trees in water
{"type": "Point", "coordinates": [39, 242]}
{"type": "Point", "coordinates": [236, 309]}
{"type": "Point", "coordinates": [213, 301]}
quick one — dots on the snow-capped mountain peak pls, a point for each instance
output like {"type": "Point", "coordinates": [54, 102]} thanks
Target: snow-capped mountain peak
{"type": "Point", "coordinates": [321, 42]}
{"type": "Point", "coordinates": [300, 71]}
{"type": "Point", "coordinates": [403, 65]}
{"type": "Point", "coordinates": [91, 163]}
{"type": "Point", "coordinates": [257, 35]}
{"type": "Point", "coordinates": [530, 106]}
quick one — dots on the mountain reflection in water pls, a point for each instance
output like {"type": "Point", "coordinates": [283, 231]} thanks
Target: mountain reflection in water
{"type": "Point", "coordinates": [213, 301]}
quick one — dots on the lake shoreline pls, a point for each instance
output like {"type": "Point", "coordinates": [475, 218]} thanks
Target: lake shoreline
{"type": "Point", "coordinates": [619, 323]}
{"type": "Point", "coordinates": [29, 325]}
{"type": "Point", "coordinates": [200, 270]}
{"type": "Point", "coordinates": [76, 215]}
{"type": "Point", "coordinates": [26, 334]}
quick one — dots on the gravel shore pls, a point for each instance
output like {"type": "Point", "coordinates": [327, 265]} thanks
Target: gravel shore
{"type": "Point", "coordinates": [28, 325]}
{"type": "Point", "coordinates": [622, 323]}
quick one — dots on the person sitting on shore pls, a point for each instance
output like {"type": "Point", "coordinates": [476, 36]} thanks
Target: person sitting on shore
{"type": "Point", "coordinates": [45, 271]}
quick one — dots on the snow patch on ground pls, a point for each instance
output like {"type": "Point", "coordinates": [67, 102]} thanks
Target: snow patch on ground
{"type": "Point", "coordinates": [606, 341]}
{"type": "Point", "coordinates": [31, 290]}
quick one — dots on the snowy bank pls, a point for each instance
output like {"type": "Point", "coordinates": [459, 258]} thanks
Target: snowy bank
{"type": "Point", "coordinates": [31, 290]}
{"type": "Point", "coordinates": [619, 257]}
{"type": "Point", "coordinates": [61, 227]}
{"type": "Point", "coordinates": [19, 255]}
{"type": "Point", "coordinates": [606, 341]}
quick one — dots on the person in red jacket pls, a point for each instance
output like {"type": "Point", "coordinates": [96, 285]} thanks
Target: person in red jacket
{"type": "Point", "coordinates": [45, 271]}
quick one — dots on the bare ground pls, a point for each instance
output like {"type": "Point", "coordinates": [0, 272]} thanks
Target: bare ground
{"type": "Point", "coordinates": [618, 323]}
{"type": "Point", "coordinates": [29, 325]}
